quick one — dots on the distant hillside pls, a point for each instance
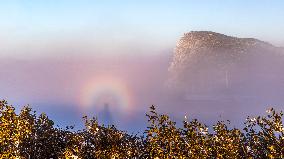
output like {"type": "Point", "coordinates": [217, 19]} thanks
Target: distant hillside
{"type": "Point", "coordinates": [212, 64]}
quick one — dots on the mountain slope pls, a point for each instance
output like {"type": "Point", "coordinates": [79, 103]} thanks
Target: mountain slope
{"type": "Point", "coordinates": [212, 64]}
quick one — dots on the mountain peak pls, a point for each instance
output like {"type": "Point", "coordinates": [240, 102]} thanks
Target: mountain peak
{"type": "Point", "coordinates": [206, 60]}
{"type": "Point", "coordinates": [213, 40]}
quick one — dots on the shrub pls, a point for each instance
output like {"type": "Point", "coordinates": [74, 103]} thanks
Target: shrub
{"type": "Point", "coordinates": [26, 135]}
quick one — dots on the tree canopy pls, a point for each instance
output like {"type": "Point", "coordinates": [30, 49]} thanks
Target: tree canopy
{"type": "Point", "coordinates": [26, 135]}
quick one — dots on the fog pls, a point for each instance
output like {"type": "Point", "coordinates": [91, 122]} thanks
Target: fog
{"type": "Point", "coordinates": [54, 86]}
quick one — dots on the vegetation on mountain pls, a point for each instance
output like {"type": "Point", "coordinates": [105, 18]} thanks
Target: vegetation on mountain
{"type": "Point", "coordinates": [28, 135]}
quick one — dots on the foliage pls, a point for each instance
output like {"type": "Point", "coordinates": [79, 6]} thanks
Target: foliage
{"type": "Point", "coordinates": [26, 135]}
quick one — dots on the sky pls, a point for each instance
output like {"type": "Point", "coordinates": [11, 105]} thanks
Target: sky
{"type": "Point", "coordinates": [28, 27]}
{"type": "Point", "coordinates": [52, 52]}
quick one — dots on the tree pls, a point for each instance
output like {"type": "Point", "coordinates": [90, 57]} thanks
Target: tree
{"type": "Point", "coordinates": [26, 135]}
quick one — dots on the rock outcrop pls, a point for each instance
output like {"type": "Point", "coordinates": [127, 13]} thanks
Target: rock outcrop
{"type": "Point", "coordinates": [209, 65]}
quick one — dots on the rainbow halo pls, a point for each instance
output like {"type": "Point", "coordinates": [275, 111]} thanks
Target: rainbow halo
{"type": "Point", "coordinates": [106, 90]}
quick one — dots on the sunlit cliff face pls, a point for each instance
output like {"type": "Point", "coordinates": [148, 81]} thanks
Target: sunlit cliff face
{"type": "Point", "coordinates": [227, 72]}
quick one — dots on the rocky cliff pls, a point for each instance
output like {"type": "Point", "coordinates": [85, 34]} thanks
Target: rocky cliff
{"type": "Point", "coordinates": [211, 64]}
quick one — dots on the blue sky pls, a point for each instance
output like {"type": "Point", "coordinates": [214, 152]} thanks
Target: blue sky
{"type": "Point", "coordinates": [154, 24]}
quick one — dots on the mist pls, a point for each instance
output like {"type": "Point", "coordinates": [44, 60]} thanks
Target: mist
{"type": "Point", "coordinates": [54, 85]}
